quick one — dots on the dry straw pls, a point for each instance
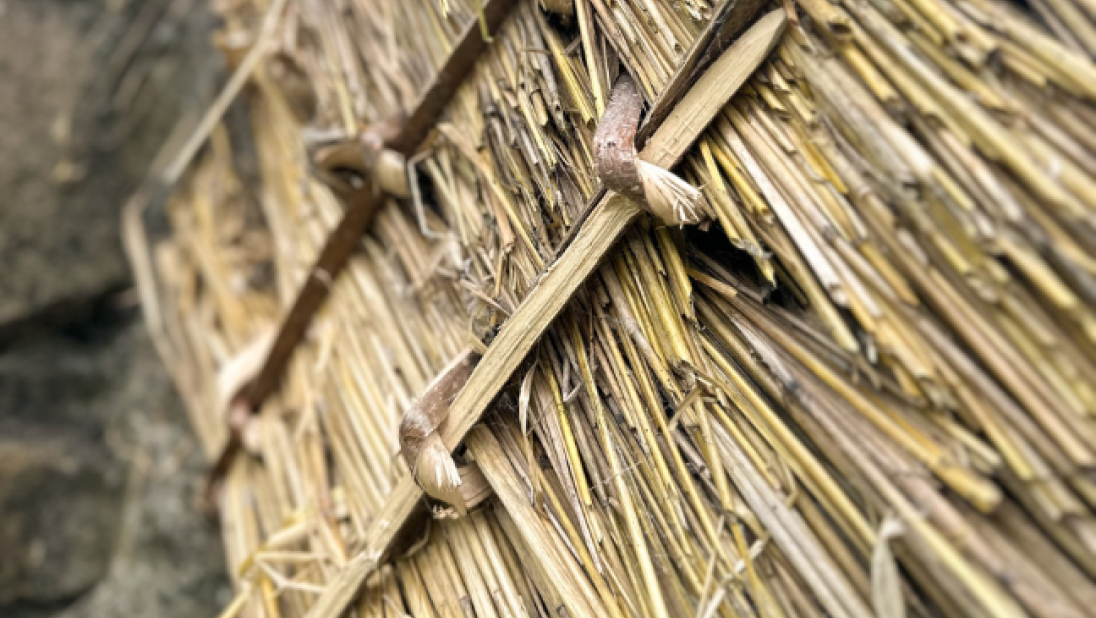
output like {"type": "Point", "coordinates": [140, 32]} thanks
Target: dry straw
{"type": "Point", "coordinates": [866, 389]}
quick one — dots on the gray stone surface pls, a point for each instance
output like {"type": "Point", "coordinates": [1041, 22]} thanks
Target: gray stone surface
{"type": "Point", "coordinates": [100, 481]}
{"type": "Point", "coordinates": [99, 472]}
{"type": "Point", "coordinates": [89, 89]}
{"type": "Point", "coordinates": [61, 497]}
{"type": "Point", "coordinates": [43, 74]}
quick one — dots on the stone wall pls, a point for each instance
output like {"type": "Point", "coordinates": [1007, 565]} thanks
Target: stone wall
{"type": "Point", "coordinates": [99, 472]}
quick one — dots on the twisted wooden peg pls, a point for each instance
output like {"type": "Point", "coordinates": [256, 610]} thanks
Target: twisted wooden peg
{"type": "Point", "coordinates": [433, 467]}
{"type": "Point", "coordinates": [664, 194]}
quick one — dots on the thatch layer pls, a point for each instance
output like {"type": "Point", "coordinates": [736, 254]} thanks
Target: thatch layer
{"type": "Point", "coordinates": [865, 390]}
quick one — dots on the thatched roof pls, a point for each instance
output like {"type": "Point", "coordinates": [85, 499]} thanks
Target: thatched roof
{"type": "Point", "coordinates": [852, 375]}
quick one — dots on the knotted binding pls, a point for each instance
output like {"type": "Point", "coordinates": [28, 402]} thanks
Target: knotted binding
{"type": "Point", "coordinates": [423, 449]}
{"type": "Point", "coordinates": [622, 169]}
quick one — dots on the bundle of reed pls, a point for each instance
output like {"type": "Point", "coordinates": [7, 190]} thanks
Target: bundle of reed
{"type": "Point", "coordinates": [864, 389]}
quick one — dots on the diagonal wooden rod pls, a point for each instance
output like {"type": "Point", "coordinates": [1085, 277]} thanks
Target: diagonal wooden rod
{"type": "Point", "coordinates": [403, 136]}
{"type": "Point", "coordinates": [729, 19]}
{"type": "Point", "coordinates": [606, 223]}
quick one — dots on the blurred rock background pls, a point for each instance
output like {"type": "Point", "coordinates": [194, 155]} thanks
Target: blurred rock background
{"type": "Point", "coordinates": [99, 472]}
